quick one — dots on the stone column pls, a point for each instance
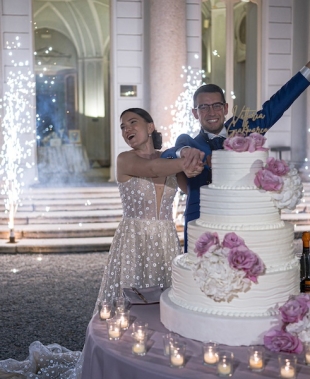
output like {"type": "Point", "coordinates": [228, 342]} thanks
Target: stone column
{"type": "Point", "coordinates": [167, 56]}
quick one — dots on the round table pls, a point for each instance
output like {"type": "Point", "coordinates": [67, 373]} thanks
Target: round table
{"type": "Point", "coordinates": [105, 359]}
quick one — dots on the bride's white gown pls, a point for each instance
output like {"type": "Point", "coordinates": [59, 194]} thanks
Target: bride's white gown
{"type": "Point", "coordinates": [141, 253]}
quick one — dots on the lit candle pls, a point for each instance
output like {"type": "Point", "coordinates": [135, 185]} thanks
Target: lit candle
{"type": "Point", "coordinates": [256, 362]}
{"type": "Point", "coordinates": [114, 333]}
{"type": "Point", "coordinates": [105, 313]}
{"type": "Point", "coordinates": [177, 360]}
{"type": "Point", "coordinates": [139, 348]}
{"type": "Point", "coordinates": [210, 357]}
{"type": "Point", "coordinates": [224, 368]}
{"type": "Point", "coordinates": [124, 322]}
{"type": "Point", "coordinates": [287, 371]}
{"type": "Point", "coordinates": [307, 358]}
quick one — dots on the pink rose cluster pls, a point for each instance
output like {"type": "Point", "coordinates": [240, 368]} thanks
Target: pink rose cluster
{"type": "Point", "coordinates": [250, 143]}
{"type": "Point", "coordinates": [270, 177]}
{"type": "Point", "coordinates": [293, 314]}
{"type": "Point", "coordinates": [239, 256]}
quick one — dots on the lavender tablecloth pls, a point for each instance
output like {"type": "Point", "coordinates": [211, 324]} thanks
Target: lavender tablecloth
{"type": "Point", "coordinates": [106, 359]}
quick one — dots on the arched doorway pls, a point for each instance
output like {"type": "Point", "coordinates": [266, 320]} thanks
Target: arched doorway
{"type": "Point", "coordinates": [72, 42]}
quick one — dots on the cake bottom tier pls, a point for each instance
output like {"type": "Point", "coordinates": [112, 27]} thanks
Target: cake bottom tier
{"type": "Point", "coordinates": [233, 331]}
{"type": "Point", "coordinates": [262, 299]}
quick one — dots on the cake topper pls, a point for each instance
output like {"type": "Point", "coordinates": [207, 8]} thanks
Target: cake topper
{"type": "Point", "coordinates": [245, 115]}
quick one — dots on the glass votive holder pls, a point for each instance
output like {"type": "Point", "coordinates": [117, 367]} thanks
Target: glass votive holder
{"type": "Point", "coordinates": [256, 358]}
{"type": "Point", "coordinates": [210, 353]}
{"type": "Point", "coordinates": [307, 353]}
{"type": "Point", "coordinates": [124, 318]}
{"type": "Point", "coordinates": [168, 340]}
{"type": "Point", "coordinates": [120, 303]}
{"type": "Point", "coordinates": [105, 310]}
{"type": "Point", "coordinates": [177, 354]}
{"type": "Point", "coordinates": [114, 328]}
{"type": "Point", "coordinates": [139, 347]}
{"type": "Point", "coordinates": [287, 366]}
{"type": "Point", "coordinates": [140, 330]}
{"type": "Point", "coordinates": [225, 363]}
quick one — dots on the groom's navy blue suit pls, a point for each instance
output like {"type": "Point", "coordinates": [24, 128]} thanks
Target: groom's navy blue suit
{"type": "Point", "coordinates": [271, 112]}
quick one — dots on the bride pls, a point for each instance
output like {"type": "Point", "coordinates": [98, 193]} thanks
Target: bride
{"type": "Point", "coordinates": [144, 243]}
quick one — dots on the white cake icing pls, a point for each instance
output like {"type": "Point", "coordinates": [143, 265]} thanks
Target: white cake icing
{"type": "Point", "coordinates": [233, 203]}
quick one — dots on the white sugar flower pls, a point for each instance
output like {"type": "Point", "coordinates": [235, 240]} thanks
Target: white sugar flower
{"type": "Point", "coordinates": [291, 192]}
{"type": "Point", "coordinates": [217, 279]}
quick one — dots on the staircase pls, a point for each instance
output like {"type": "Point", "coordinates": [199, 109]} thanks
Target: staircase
{"type": "Point", "coordinates": [64, 220]}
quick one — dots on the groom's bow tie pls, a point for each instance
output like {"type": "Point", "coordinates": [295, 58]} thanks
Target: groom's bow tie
{"type": "Point", "coordinates": [216, 143]}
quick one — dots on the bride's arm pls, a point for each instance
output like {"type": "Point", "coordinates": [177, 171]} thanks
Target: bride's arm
{"type": "Point", "coordinates": [129, 164]}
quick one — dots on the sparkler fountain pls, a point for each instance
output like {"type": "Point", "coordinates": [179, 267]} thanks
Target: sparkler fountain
{"type": "Point", "coordinates": [16, 128]}
{"type": "Point", "coordinates": [181, 111]}
{"type": "Point", "coordinates": [183, 120]}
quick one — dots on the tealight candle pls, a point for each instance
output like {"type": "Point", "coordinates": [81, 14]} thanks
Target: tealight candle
{"type": "Point", "coordinates": [177, 360]}
{"type": "Point", "coordinates": [105, 313]}
{"type": "Point", "coordinates": [114, 329]}
{"type": "Point", "coordinates": [124, 319]}
{"type": "Point", "coordinates": [287, 366]}
{"type": "Point", "coordinates": [225, 363]}
{"type": "Point", "coordinates": [105, 310]}
{"type": "Point", "coordinates": [256, 358]}
{"type": "Point", "coordinates": [287, 372]}
{"type": "Point", "coordinates": [114, 333]}
{"type": "Point", "coordinates": [210, 356]}
{"type": "Point", "coordinates": [139, 348]}
{"type": "Point", "coordinates": [255, 362]}
{"type": "Point", "coordinates": [177, 355]}
{"type": "Point", "coordinates": [224, 368]}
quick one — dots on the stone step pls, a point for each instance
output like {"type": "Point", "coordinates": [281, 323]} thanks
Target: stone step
{"type": "Point", "coordinates": [43, 231]}
{"type": "Point", "coordinates": [64, 217]}
{"type": "Point", "coordinates": [64, 220]}
{"type": "Point", "coordinates": [55, 245]}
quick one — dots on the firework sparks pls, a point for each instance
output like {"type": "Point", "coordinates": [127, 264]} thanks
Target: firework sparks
{"type": "Point", "coordinates": [181, 111]}
{"type": "Point", "coordinates": [16, 128]}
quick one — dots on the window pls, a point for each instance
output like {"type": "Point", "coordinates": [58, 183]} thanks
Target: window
{"type": "Point", "coordinates": [230, 42]}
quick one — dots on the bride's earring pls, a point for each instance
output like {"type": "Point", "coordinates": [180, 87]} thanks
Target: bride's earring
{"type": "Point", "coordinates": [150, 135]}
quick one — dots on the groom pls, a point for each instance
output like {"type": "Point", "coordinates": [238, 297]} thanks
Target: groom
{"type": "Point", "coordinates": [210, 108]}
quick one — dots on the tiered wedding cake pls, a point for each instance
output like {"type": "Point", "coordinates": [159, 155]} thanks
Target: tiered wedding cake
{"type": "Point", "coordinates": [240, 266]}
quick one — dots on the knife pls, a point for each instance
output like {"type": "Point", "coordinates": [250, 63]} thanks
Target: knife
{"type": "Point", "coordinates": [139, 294]}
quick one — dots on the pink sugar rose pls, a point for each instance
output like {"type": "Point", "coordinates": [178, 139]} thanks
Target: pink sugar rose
{"type": "Point", "coordinates": [256, 142]}
{"type": "Point", "coordinates": [280, 340]}
{"type": "Point", "coordinates": [305, 298]}
{"type": "Point", "coordinates": [266, 180]}
{"type": "Point", "coordinates": [237, 143]}
{"type": "Point", "coordinates": [204, 242]}
{"type": "Point", "coordinates": [294, 310]}
{"type": "Point", "coordinates": [277, 166]}
{"type": "Point", "coordinates": [232, 240]}
{"type": "Point", "coordinates": [241, 258]}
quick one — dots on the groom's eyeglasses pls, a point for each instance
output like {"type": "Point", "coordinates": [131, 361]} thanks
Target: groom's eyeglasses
{"type": "Point", "coordinates": [207, 107]}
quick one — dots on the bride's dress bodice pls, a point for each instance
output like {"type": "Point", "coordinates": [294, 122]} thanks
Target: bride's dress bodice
{"type": "Point", "coordinates": [140, 201]}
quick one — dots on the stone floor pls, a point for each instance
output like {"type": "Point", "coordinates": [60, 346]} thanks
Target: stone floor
{"type": "Point", "coordinates": [47, 298]}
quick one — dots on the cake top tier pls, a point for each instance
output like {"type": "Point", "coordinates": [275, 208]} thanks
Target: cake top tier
{"type": "Point", "coordinates": [232, 169]}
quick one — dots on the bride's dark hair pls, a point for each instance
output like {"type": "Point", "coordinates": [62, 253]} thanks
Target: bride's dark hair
{"type": "Point", "coordinates": [156, 136]}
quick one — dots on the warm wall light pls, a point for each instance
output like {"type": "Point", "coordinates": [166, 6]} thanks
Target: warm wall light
{"type": "Point", "coordinates": [128, 91]}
